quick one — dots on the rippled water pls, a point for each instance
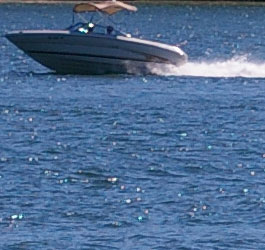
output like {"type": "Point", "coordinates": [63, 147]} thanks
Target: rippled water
{"type": "Point", "coordinates": [169, 161]}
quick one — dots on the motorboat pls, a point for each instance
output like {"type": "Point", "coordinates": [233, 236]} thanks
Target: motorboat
{"type": "Point", "coordinates": [95, 46]}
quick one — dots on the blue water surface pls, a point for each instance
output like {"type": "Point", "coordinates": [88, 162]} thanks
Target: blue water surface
{"type": "Point", "coordinates": [136, 162]}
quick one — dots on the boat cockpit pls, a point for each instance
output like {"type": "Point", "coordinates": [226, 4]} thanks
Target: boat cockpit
{"type": "Point", "coordinates": [89, 28]}
{"type": "Point", "coordinates": [103, 24]}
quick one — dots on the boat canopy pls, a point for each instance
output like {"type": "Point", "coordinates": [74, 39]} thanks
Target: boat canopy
{"type": "Point", "coordinates": [109, 7]}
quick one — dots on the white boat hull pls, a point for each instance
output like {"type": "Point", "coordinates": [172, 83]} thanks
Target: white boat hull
{"type": "Point", "coordinates": [73, 53]}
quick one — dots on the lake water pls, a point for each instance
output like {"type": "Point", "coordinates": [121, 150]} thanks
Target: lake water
{"type": "Point", "coordinates": [174, 160]}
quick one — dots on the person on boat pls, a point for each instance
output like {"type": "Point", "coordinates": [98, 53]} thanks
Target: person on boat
{"type": "Point", "coordinates": [91, 27]}
{"type": "Point", "coordinates": [109, 30]}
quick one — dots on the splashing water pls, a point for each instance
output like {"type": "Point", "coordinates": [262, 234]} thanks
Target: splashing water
{"type": "Point", "coordinates": [235, 67]}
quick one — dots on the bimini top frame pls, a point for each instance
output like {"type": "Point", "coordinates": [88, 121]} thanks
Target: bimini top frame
{"type": "Point", "coordinates": [109, 7]}
{"type": "Point", "coordinates": [103, 9]}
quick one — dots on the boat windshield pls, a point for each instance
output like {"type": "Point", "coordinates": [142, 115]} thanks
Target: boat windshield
{"type": "Point", "coordinates": [88, 28]}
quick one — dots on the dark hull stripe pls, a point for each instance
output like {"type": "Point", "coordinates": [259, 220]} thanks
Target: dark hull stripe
{"type": "Point", "coordinates": [155, 60]}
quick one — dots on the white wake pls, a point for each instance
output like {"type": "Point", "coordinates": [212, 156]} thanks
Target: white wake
{"type": "Point", "coordinates": [235, 67]}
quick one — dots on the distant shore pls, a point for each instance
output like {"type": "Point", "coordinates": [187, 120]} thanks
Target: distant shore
{"type": "Point", "coordinates": [193, 2]}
